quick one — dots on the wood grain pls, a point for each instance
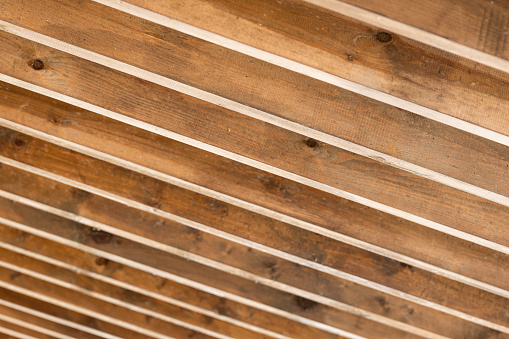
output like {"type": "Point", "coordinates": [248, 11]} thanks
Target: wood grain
{"type": "Point", "coordinates": [229, 283]}
{"type": "Point", "coordinates": [163, 287]}
{"type": "Point", "coordinates": [258, 187]}
{"type": "Point", "coordinates": [394, 274]}
{"type": "Point", "coordinates": [480, 24]}
{"type": "Point", "coordinates": [345, 47]}
{"type": "Point", "coordinates": [99, 325]}
{"type": "Point", "coordinates": [44, 323]}
{"type": "Point", "coordinates": [281, 92]}
{"type": "Point", "coordinates": [325, 164]}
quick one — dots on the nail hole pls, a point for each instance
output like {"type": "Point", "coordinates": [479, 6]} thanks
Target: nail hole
{"type": "Point", "coordinates": [350, 57]}
{"type": "Point", "coordinates": [384, 37]}
{"type": "Point", "coordinates": [38, 64]}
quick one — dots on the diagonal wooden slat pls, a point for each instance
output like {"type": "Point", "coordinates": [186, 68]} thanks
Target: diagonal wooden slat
{"type": "Point", "coordinates": [323, 208]}
{"type": "Point", "coordinates": [104, 211]}
{"type": "Point", "coordinates": [325, 108]}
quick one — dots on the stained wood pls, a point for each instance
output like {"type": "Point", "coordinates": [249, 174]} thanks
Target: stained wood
{"type": "Point", "coordinates": [279, 91]}
{"type": "Point", "coordinates": [92, 285]}
{"type": "Point", "coordinates": [375, 268]}
{"type": "Point", "coordinates": [285, 150]}
{"type": "Point", "coordinates": [325, 40]}
{"type": "Point", "coordinates": [257, 187]}
{"type": "Point", "coordinates": [20, 331]}
{"type": "Point", "coordinates": [166, 288]}
{"type": "Point", "coordinates": [201, 273]}
{"type": "Point", "coordinates": [103, 327]}
{"type": "Point", "coordinates": [59, 293]}
{"type": "Point", "coordinates": [44, 323]}
{"type": "Point", "coordinates": [480, 24]}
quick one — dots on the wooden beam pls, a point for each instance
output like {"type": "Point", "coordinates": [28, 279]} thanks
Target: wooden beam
{"type": "Point", "coordinates": [265, 293]}
{"type": "Point", "coordinates": [88, 324]}
{"type": "Point", "coordinates": [311, 208]}
{"type": "Point", "coordinates": [161, 288]}
{"type": "Point", "coordinates": [43, 321]}
{"type": "Point", "coordinates": [96, 211]}
{"type": "Point", "coordinates": [320, 165]}
{"type": "Point", "coordinates": [152, 307]}
{"type": "Point", "coordinates": [323, 44]}
{"type": "Point", "coordinates": [295, 107]}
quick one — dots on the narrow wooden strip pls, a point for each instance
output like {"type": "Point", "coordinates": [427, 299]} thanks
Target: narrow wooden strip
{"type": "Point", "coordinates": [266, 291]}
{"type": "Point", "coordinates": [15, 334]}
{"type": "Point", "coordinates": [46, 320]}
{"type": "Point", "coordinates": [121, 217]}
{"type": "Point", "coordinates": [46, 292]}
{"type": "Point", "coordinates": [422, 152]}
{"type": "Point", "coordinates": [455, 26]}
{"type": "Point", "coordinates": [111, 300]}
{"type": "Point", "coordinates": [422, 198]}
{"type": "Point", "coordinates": [136, 290]}
{"type": "Point", "coordinates": [161, 201]}
{"type": "Point", "coordinates": [33, 327]}
{"type": "Point", "coordinates": [101, 327]}
{"type": "Point", "coordinates": [148, 284]}
{"type": "Point", "coordinates": [295, 314]}
{"type": "Point", "coordinates": [130, 299]}
{"type": "Point", "coordinates": [489, 133]}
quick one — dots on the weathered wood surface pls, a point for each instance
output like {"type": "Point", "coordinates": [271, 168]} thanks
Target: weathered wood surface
{"type": "Point", "coordinates": [228, 282]}
{"type": "Point", "coordinates": [258, 187]}
{"type": "Point", "coordinates": [480, 24]}
{"type": "Point", "coordinates": [159, 286]}
{"type": "Point", "coordinates": [342, 46]}
{"type": "Point", "coordinates": [323, 163]}
{"type": "Point", "coordinates": [158, 180]}
{"type": "Point", "coordinates": [366, 265]}
{"type": "Point", "coordinates": [267, 87]}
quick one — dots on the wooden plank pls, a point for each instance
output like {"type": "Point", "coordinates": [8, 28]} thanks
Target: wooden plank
{"type": "Point", "coordinates": [325, 40]}
{"type": "Point", "coordinates": [410, 280]}
{"type": "Point", "coordinates": [10, 330]}
{"type": "Point", "coordinates": [159, 287]}
{"type": "Point", "coordinates": [33, 320]}
{"type": "Point", "coordinates": [479, 24]}
{"type": "Point", "coordinates": [262, 291]}
{"type": "Point", "coordinates": [157, 309]}
{"type": "Point", "coordinates": [320, 165]}
{"type": "Point", "coordinates": [290, 97]}
{"type": "Point", "coordinates": [145, 325]}
{"type": "Point", "coordinates": [89, 324]}
{"type": "Point", "coordinates": [258, 187]}
{"type": "Point", "coordinates": [28, 328]}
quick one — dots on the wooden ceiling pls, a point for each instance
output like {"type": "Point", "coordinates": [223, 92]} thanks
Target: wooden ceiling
{"type": "Point", "coordinates": [254, 169]}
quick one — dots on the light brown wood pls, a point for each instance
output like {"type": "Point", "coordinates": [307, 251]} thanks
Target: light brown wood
{"type": "Point", "coordinates": [327, 41]}
{"type": "Point", "coordinates": [387, 272]}
{"type": "Point", "coordinates": [258, 187]}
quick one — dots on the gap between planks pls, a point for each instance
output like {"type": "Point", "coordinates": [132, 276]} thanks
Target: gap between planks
{"type": "Point", "coordinates": [241, 273]}
{"type": "Point", "coordinates": [15, 334]}
{"type": "Point", "coordinates": [237, 202]}
{"type": "Point", "coordinates": [410, 32]}
{"type": "Point", "coordinates": [56, 319]}
{"type": "Point", "coordinates": [269, 282]}
{"type": "Point", "coordinates": [33, 327]}
{"type": "Point", "coordinates": [178, 279]}
{"type": "Point", "coordinates": [237, 107]}
{"type": "Point", "coordinates": [310, 71]}
{"type": "Point", "coordinates": [111, 300]}
{"type": "Point", "coordinates": [139, 290]}
{"type": "Point", "coordinates": [84, 311]}
{"type": "Point", "coordinates": [234, 201]}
